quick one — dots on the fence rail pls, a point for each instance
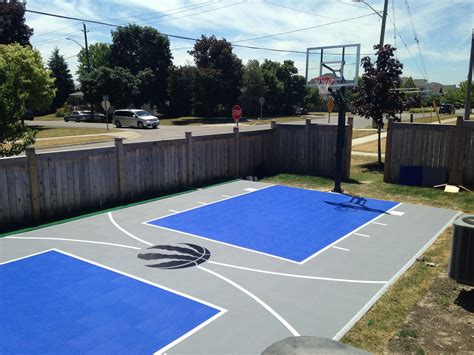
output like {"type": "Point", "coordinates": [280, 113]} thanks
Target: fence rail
{"type": "Point", "coordinates": [47, 186]}
{"type": "Point", "coordinates": [431, 146]}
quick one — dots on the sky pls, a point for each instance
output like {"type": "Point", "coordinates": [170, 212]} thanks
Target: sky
{"type": "Point", "coordinates": [433, 42]}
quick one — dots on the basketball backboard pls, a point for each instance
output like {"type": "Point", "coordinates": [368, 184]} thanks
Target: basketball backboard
{"type": "Point", "coordinates": [340, 62]}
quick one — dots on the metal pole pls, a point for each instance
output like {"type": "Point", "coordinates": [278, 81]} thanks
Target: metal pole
{"type": "Point", "coordinates": [467, 107]}
{"type": "Point", "coordinates": [384, 21]}
{"type": "Point", "coordinates": [88, 63]}
{"type": "Point", "coordinates": [261, 110]}
{"type": "Point", "coordinates": [341, 121]}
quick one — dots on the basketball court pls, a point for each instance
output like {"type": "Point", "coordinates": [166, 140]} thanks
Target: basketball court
{"type": "Point", "coordinates": [230, 268]}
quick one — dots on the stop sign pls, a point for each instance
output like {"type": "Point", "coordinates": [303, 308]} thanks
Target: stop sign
{"type": "Point", "coordinates": [236, 112]}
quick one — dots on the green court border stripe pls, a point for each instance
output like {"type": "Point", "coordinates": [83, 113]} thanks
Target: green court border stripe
{"type": "Point", "coordinates": [82, 216]}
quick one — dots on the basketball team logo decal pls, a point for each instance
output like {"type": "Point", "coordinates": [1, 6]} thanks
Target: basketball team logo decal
{"type": "Point", "coordinates": [176, 257]}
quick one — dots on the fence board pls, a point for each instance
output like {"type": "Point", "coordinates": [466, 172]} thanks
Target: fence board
{"type": "Point", "coordinates": [430, 145]}
{"type": "Point", "coordinates": [80, 180]}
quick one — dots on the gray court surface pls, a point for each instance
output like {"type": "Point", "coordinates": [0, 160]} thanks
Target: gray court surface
{"type": "Point", "coordinates": [265, 299]}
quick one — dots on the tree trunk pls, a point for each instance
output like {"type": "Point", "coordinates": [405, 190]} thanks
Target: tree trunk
{"type": "Point", "coordinates": [379, 130]}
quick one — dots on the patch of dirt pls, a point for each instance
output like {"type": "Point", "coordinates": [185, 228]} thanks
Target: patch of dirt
{"type": "Point", "coordinates": [443, 322]}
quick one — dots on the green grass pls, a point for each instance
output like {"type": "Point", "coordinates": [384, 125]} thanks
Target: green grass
{"type": "Point", "coordinates": [367, 180]}
{"type": "Point", "coordinates": [50, 117]}
{"type": "Point", "coordinates": [55, 132]}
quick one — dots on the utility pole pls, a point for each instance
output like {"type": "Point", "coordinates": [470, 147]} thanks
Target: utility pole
{"type": "Point", "coordinates": [88, 64]}
{"type": "Point", "coordinates": [468, 103]}
{"type": "Point", "coordinates": [384, 21]}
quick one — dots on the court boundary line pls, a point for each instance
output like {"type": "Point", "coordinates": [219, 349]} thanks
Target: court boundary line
{"type": "Point", "coordinates": [207, 204]}
{"type": "Point", "coordinates": [221, 310]}
{"type": "Point", "coordinates": [257, 299]}
{"type": "Point", "coordinates": [75, 241]}
{"type": "Point", "coordinates": [148, 223]}
{"type": "Point", "coordinates": [348, 326]}
{"type": "Point", "coordinates": [308, 277]}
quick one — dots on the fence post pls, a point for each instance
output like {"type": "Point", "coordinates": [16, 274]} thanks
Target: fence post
{"type": "Point", "coordinates": [32, 166]}
{"type": "Point", "coordinates": [388, 150]}
{"type": "Point", "coordinates": [189, 158]}
{"type": "Point", "coordinates": [276, 155]}
{"type": "Point", "coordinates": [411, 117]}
{"type": "Point", "coordinates": [236, 151]}
{"type": "Point", "coordinates": [455, 170]}
{"type": "Point", "coordinates": [350, 122]}
{"type": "Point", "coordinates": [121, 186]}
{"type": "Point", "coordinates": [307, 145]}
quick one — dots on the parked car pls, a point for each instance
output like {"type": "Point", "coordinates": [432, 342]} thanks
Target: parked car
{"type": "Point", "coordinates": [135, 118]}
{"type": "Point", "coordinates": [458, 105]}
{"type": "Point", "coordinates": [447, 109]}
{"type": "Point", "coordinates": [79, 116]}
{"type": "Point", "coordinates": [300, 110]}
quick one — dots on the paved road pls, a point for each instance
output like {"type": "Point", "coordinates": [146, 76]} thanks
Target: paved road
{"type": "Point", "coordinates": [166, 132]}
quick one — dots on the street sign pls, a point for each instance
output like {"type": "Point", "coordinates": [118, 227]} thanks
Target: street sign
{"type": "Point", "coordinates": [105, 105]}
{"type": "Point", "coordinates": [330, 104]}
{"type": "Point", "coordinates": [236, 112]}
{"type": "Point", "coordinates": [261, 100]}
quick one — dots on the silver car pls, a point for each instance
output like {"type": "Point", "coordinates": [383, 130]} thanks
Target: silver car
{"type": "Point", "coordinates": [135, 118]}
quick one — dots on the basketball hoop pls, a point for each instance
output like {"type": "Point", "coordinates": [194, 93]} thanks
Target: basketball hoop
{"type": "Point", "coordinates": [323, 83]}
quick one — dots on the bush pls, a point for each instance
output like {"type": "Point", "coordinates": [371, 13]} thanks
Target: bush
{"type": "Point", "coordinates": [61, 112]}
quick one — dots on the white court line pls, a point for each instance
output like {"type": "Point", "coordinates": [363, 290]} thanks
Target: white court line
{"type": "Point", "coordinates": [25, 257]}
{"type": "Point", "coordinates": [226, 196]}
{"type": "Point", "coordinates": [296, 275]}
{"type": "Point", "coordinates": [336, 247]}
{"type": "Point", "coordinates": [124, 231]}
{"type": "Point", "coordinates": [397, 213]}
{"type": "Point", "coordinates": [250, 189]}
{"type": "Point", "coordinates": [209, 203]}
{"type": "Point", "coordinates": [75, 240]}
{"type": "Point", "coordinates": [174, 211]}
{"type": "Point", "coordinates": [348, 235]}
{"type": "Point", "coordinates": [395, 277]}
{"type": "Point", "coordinates": [188, 334]}
{"type": "Point", "coordinates": [223, 243]}
{"type": "Point", "coordinates": [202, 203]}
{"type": "Point", "coordinates": [362, 235]}
{"type": "Point", "coordinates": [380, 224]}
{"type": "Point", "coordinates": [256, 299]}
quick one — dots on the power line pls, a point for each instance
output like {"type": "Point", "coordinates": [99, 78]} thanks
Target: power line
{"type": "Point", "coordinates": [304, 29]}
{"type": "Point", "coordinates": [314, 14]}
{"type": "Point", "coordinates": [416, 37]}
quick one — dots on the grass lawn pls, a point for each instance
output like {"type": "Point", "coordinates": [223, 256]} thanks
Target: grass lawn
{"type": "Point", "coordinates": [358, 133]}
{"type": "Point", "coordinates": [53, 132]}
{"type": "Point", "coordinates": [61, 142]}
{"type": "Point", "coordinates": [383, 321]}
{"type": "Point", "coordinates": [370, 147]}
{"type": "Point", "coordinates": [50, 117]}
{"type": "Point", "coordinates": [197, 121]}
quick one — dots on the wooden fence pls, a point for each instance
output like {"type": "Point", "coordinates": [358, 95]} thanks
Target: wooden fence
{"type": "Point", "coordinates": [432, 146]}
{"type": "Point", "coordinates": [47, 186]}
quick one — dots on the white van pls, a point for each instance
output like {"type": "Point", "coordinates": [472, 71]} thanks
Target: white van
{"type": "Point", "coordinates": [135, 118]}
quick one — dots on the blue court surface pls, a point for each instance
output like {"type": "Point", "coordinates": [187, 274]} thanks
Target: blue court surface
{"type": "Point", "coordinates": [54, 303]}
{"type": "Point", "coordinates": [284, 222]}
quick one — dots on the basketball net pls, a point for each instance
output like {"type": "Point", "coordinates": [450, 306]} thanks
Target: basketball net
{"type": "Point", "coordinates": [323, 83]}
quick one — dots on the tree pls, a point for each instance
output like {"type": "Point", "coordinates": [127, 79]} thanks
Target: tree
{"type": "Point", "coordinates": [63, 78]}
{"type": "Point", "coordinates": [137, 48]}
{"type": "Point", "coordinates": [409, 83]}
{"type": "Point", "coordinates": [275, 87]}
{"type": "Point", "coordinates": [180, 91]}
{"type": "Point", "coordinates": [463, 91]}
{"type": "Point", "coordinates": [253, 87]}
{"type": "Point", "coordinates": [24, 84]}
{"type": "Point", "coordinates": [119, 83]}
{"type": "Point", "coordinates": [12, 23]}
{"type": "Point", "coordinates": [219, 70]}
{"type": "Point", "coordinates": [378, 97]}
{"type": "Point", "coordinates": [99, 56]}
